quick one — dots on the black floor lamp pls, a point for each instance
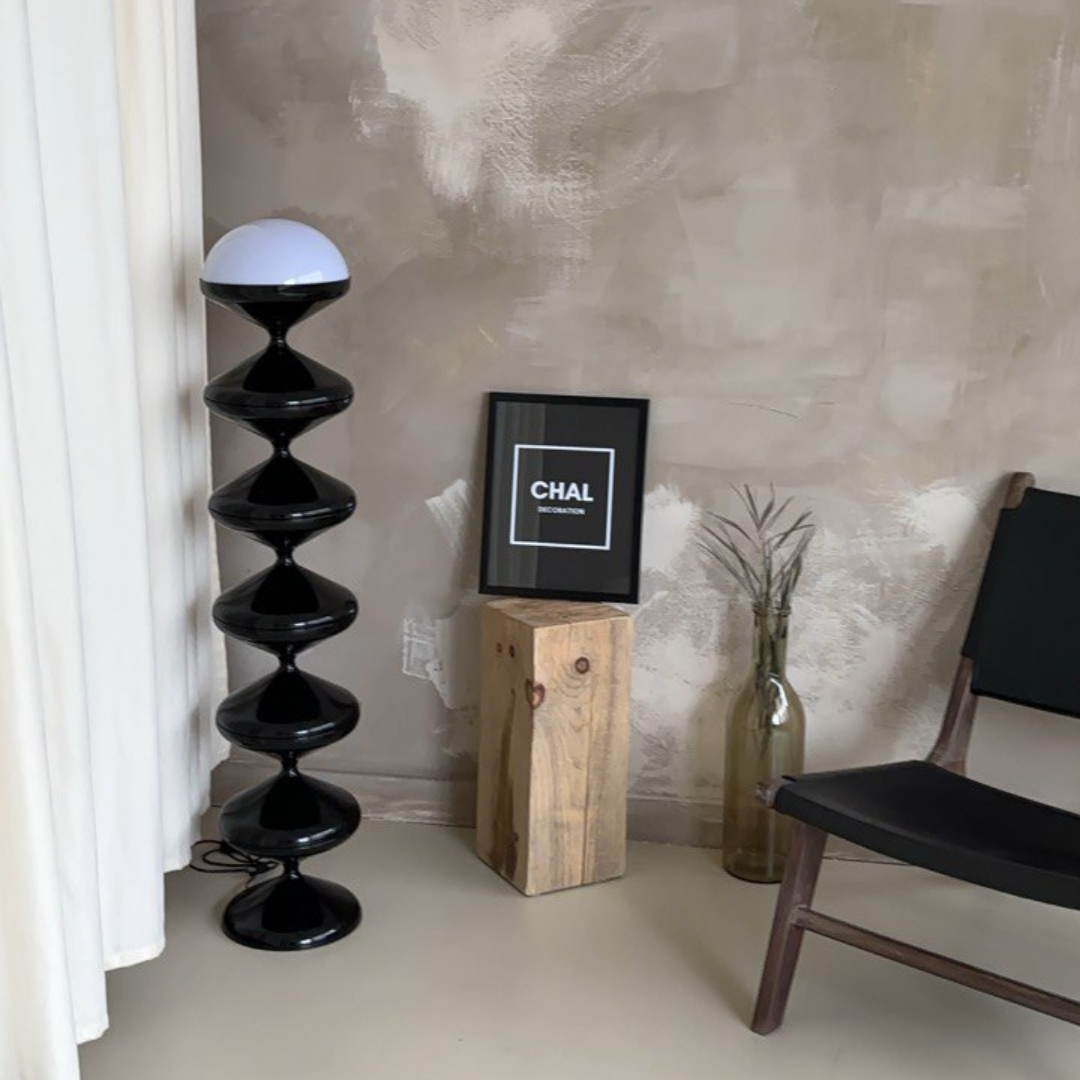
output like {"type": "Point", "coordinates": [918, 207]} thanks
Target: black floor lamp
{"type": "Point", "coordinates": [276, 272]}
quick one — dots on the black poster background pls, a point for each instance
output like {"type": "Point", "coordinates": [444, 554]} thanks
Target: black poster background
{"type": "Point", "coordinates": [591, 424]}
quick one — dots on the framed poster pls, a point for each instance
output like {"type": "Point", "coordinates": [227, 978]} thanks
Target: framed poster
{"type": "Point", "coordinates": [563, 496]}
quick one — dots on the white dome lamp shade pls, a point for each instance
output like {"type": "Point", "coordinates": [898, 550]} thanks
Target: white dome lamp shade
{"type": "Point", "coordinates": [275, 272]}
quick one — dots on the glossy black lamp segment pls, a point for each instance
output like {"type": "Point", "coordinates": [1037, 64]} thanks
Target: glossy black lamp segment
{"type": "Point", "coordinates": [279, 392]}
{"type": "Point", "coordinates": [290, 816]}
{"type": "Point", "coordinates": [276, 273]}
{"type": "Point", "coordinates": [285, 605]}
{"type": "Point", "coordinates": [282, 497]}
{"type": "Point", "coordinates": [288, 711]}
{"type": "Point", "coordinates": [275, 306]}
{"type": "Point", "coordinates": [267, 915]}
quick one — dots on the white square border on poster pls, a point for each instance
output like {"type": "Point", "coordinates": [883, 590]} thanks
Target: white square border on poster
{"type": "Point", "coordinates": [610, 451]}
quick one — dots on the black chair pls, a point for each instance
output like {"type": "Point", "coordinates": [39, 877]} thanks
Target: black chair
{"type": "Point", "coordinates": [1022, 646]}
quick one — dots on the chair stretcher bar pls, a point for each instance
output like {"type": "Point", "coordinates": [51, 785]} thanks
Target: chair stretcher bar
{"type": "Point", "coordinates": [945, 967]}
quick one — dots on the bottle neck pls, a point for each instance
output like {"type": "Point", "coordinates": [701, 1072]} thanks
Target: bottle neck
{"type": "Point", "coordinates": [770, 641]}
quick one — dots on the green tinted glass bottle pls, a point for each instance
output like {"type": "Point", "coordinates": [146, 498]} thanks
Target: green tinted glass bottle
{"type": "Point", "coordinates": [765, 740]}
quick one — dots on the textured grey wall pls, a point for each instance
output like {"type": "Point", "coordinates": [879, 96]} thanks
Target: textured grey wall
{"type": "Point", "coordinates": [835, 241]}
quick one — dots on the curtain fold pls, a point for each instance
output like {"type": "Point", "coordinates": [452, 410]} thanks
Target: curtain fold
{"type": "Point", "coordinates": [108, 668]}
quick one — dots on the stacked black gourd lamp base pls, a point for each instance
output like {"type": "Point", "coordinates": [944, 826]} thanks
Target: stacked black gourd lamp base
{"type": "Point", "coordinates": [275, 273]}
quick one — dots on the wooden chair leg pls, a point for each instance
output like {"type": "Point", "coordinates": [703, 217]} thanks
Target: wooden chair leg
{"type": "Point", "coordinates": [796, 891]}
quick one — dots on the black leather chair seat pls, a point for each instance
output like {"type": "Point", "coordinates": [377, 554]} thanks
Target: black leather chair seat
{"type": "Point", "coordinates": [928, 816]}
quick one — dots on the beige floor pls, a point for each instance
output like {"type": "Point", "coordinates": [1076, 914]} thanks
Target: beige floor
{"type": "Point", "coordinates": [455, 976]}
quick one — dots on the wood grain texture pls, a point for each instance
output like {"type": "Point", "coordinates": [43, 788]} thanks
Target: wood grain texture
{"type": "Point", "coordinates": [554, 742]}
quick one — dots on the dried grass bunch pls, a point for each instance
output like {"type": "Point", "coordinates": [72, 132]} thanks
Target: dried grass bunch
{"type": "Point", "coordinates": [766, 558]}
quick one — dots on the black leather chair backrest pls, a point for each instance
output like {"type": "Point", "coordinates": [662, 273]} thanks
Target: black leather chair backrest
{"type": "Point", "coordinates": [1024, 637]}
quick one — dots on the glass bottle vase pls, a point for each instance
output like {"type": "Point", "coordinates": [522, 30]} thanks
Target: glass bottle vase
{"type": "Point", "coordinates": [766, 735]}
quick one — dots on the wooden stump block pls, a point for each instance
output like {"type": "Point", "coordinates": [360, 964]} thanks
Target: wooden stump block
{"type": "Point", "coordinates": [554, 738]}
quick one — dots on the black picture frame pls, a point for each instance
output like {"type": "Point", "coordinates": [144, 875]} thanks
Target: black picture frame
{"type": "Point", "coordinates": [569, 545]}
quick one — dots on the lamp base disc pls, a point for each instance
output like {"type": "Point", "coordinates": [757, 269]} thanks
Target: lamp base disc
{"type": "Point", "coordinates": [290, 913]}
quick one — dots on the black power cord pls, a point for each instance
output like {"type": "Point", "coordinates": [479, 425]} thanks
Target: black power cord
{"type": "Point", "coordinates": [219, 857]}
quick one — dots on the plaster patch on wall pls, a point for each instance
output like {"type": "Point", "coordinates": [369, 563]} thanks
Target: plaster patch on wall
{"type": "Point", "coordinates": [452, 509]}
{"type": "Point", "coordinates": [417, 646]}
{"type": "Point", "coordinates": [677, 627]}
{"type": "Point", "coordinates": [875, 624]}
{"type": "Point", "coordinates": [446, 653]}
{"type": "Point", "coordinates": [498, 92]}
{"type": "Point", "coordinates": [884, 582]}
{"type": "Point", "coordinates": [941, 515]}
{"type": "Point", "coordinates": [668, 525]}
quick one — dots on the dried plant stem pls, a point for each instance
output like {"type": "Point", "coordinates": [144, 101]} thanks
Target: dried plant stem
{"type": "Point", "coordinates": [765, 559]}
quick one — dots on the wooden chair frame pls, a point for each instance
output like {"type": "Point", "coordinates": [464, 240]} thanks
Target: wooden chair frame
{"type": "Point", "coordinates": [794, 915]}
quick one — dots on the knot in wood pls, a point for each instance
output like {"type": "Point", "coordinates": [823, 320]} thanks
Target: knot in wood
{"type": "Point", "coordinates": [581, 665]}
{"type": "Point", "coordinates": [534, 693]}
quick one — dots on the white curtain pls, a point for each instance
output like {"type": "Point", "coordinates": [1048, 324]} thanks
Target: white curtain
{"type": "Point", "coordinates": [108, 667]}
